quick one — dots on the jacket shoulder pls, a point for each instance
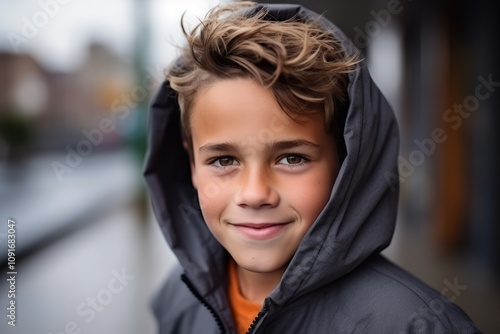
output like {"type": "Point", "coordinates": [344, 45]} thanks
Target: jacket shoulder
{"type": "Point", "coordinates": [390, 296]}
{"type": "Point", "coordinates": [376, 297]}
{"type": "Point", "coordinates": [177, 311]}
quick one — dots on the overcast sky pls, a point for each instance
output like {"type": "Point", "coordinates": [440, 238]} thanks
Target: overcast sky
{"type": "Point", "coordinates": [58, 34]}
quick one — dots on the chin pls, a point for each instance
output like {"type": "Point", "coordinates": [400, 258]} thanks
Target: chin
{"type": "Point", "coordinates": [258, 265]}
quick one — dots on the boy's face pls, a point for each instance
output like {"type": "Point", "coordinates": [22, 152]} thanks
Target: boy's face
{"type": "Point", "coordinates": [262, 178]}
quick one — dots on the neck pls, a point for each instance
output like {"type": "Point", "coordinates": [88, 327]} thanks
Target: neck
{"type": "Point", "coordinates": [256, 286]}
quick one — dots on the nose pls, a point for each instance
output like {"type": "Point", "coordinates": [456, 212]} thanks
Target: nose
{"type": "Point", "coordinates": [257, 189]}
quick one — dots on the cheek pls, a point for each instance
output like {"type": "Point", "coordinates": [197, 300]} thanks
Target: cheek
{"type": "Point", "coordinates": [311, 196]}
{"type": "Point", "coordinates": [310, 203]}
{"type": "Point", "coordinates": [213, 199]}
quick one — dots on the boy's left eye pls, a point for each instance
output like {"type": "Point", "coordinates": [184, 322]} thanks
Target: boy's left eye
{"type": "Point", "coordinates": [292, 160]}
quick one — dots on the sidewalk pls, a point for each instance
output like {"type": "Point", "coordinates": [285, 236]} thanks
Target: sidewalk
{"type": "Point", "coordinates": [45, 208]}
{"type": "Point", "coordinates": [101, 277]}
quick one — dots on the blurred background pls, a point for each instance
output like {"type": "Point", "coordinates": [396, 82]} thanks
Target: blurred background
{"type": "Point", "coordinates": [76, 79]}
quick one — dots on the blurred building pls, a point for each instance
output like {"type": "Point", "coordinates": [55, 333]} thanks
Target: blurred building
{"type": "Point", "coordinates": [55, 107]}
{"type": "Point", "coordinates": [106, 78]}
{"type": "Point", "coordinates": [23, 87]}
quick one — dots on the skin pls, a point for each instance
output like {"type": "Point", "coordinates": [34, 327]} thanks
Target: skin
{"type": "Point", "coordinates": [253, 164]}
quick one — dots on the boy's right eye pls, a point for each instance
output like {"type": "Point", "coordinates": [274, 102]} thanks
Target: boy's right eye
{"type": "Point", "coordinates": [224, 162]}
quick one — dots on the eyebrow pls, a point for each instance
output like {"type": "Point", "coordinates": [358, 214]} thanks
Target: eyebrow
{"type": "Point", "coordinates": [219, 147]}
{"type": "Point", "coordinates": [276, 146]}
{"type": "Point", "coordinates": [289, 144]}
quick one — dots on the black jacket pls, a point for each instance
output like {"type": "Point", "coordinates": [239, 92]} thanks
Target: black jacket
{"type": "Point", "coordinates": [336, 282]}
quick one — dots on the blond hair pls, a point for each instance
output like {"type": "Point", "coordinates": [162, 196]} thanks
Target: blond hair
{"type": "Point", "coordinates": [301, 62]}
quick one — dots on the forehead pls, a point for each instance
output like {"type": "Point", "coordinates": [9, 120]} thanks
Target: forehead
{"type": "Point", "coordinates": [242, 110]}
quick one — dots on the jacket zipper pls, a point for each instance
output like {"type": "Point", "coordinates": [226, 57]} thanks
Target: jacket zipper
{"type": "Point", "coordinates": [195, 292]}
{"type": "Point", "coordinates": [254, 325]}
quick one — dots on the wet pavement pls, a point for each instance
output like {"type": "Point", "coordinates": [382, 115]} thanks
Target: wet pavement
{"type": "Point", "coordinates": [91, 260]}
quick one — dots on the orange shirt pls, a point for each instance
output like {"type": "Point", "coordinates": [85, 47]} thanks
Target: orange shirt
{"type": "Point", "coordinates": [244, 310]}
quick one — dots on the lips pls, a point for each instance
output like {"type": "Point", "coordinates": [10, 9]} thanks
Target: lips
{"type": "Point", "coordinates": [260, 231]}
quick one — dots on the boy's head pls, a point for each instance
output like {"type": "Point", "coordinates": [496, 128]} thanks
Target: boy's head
{"type": "Point", "coordinates": [301, 63]}
{"type": "Point", "coordinates": [258, 103]}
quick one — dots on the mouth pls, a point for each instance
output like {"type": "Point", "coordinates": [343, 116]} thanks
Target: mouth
{"type": "Point", "coordinates": [260, 231]}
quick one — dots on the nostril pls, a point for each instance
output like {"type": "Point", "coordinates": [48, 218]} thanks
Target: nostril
{"type": "Point", "coordinates": [257, 195]}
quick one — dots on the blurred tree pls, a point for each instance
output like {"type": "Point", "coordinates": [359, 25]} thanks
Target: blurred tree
{"type": "Point", "coordinates": [16, 132]}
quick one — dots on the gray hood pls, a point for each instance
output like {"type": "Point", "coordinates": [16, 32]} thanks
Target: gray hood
{"type": "Point", "coordinates": [358, 220]}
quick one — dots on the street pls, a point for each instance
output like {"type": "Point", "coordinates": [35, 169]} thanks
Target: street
{"type": "Point", "coordinates": [87, 258]}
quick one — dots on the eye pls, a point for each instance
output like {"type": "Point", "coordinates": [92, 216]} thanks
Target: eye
{"type": "Point", "coordinates": [292, 159]}
{"type": "Point", "coordinates": [224, 162]}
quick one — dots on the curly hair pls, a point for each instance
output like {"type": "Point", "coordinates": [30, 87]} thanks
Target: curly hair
{"type": "Point", "coordinates": [301, 62]}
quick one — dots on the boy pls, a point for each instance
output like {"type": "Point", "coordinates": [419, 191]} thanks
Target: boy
{"type": "Point", "coordinates": [272, 123]}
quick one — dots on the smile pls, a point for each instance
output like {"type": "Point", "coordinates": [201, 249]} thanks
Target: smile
{"type": "Point", "coordinates": [260, 231]}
